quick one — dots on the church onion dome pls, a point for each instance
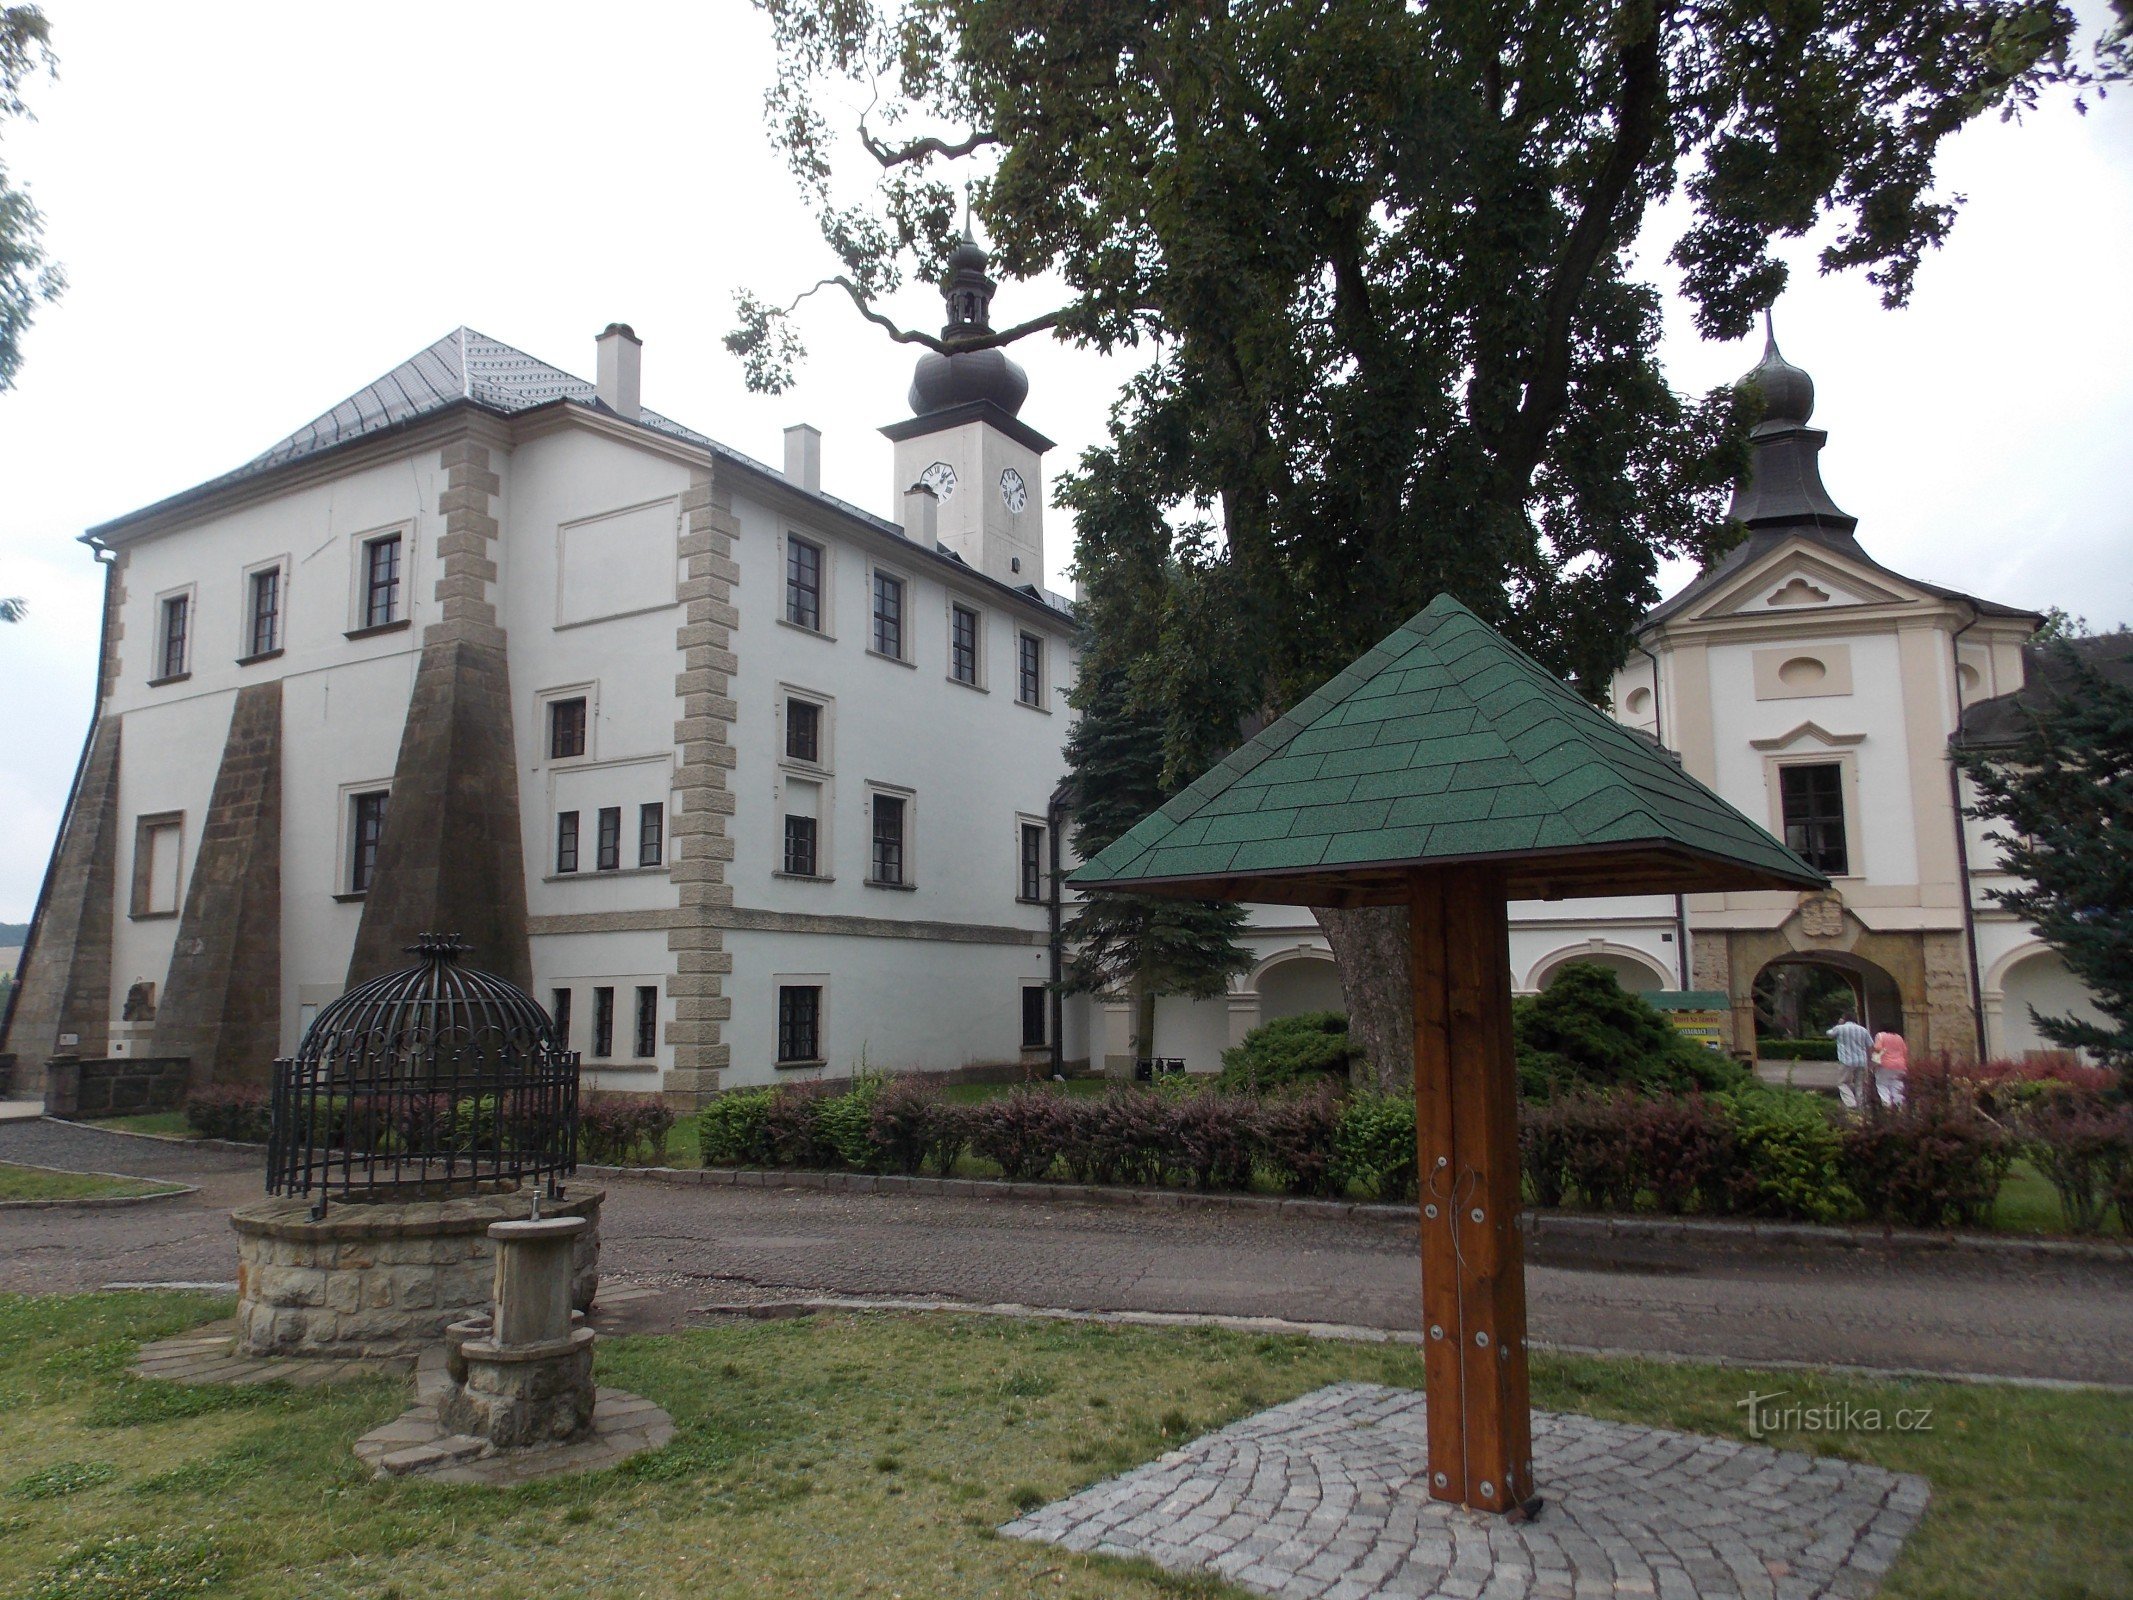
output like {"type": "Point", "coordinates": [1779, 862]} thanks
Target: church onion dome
{"type": "Point", "coordinates": [943, 382]}
{"type": "Point", "coordinates": [1783, 489]}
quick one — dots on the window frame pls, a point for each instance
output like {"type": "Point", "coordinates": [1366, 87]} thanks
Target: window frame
{"type": "Point", "coordinates": [1043, 1040]}
{"type": "Point", "coordinates": [958, 606]}
{"type": "Point", "coordinates": [1840, 783]}
{"type": "Point", "coordinates": [559, 1013]}
{"type": "Point", "coordinates": [907, 864]}
{"type": "Point", "coordinates": [879, 573]}
{"type": "Point", "coordinates": [651, 834]}
{"type": "Point", "coordinates": [821, 625]}
{"type": "Point", "coordinates": [789, 724]}
{"type": "Point", "coordinates": [142, 905]}
{"type": "Point", "coordinates": [1025, 828]}
{"type": "Point", "coordinates": [249, 649]}
{"type": "Point", "coordinates": [569, 831]}
{"type": "Point", "coordinates": [603, 1034]}
{"type": "Point", "coordinates": [644, 1023]}
{"type": "Point", "coordinates": [607, 839]}
{"type": "Point", "coordinates": [795, 983]}
{"type": "Point", "coordinates": [184, 603]}
{"type": "Point", "coordinates": [398, 609]}
{"type": "Point", "coordinates": [555, 706]}
{"type": "Point", "coordinates": [360, 871]}
{"type": "Point", "coordinates": [813, 833]}
{"type": "Point", "coordinates": [1039, 680]}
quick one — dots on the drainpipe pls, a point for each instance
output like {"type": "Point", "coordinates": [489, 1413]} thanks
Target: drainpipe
{"type": "Point", "coordinates": [1681, 901]}
{"type": "Point", "coordinates": [1055, 811]}
{"type": "Point", "coordinates": [66, 815]}
{"type": "Point", "coordinates": [1962, 842]}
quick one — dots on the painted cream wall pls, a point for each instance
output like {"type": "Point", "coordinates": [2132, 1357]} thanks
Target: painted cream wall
{"type": "Point", "coordinates": [974, 521]}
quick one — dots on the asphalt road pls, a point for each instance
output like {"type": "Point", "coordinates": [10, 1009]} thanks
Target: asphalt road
{"type": "Point", "coordinates": [1937, 1311]}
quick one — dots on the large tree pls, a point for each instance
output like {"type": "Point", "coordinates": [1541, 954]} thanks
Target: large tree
{"type": "Point", "coordinates": [1384, 257]}
{"type": "Point", "coordinates": [2062, 791]}
{"type": "Point", "coordinates": [28, 278]}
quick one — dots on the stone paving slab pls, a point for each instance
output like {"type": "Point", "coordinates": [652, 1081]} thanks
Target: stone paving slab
{"type": "Point", "coordinates": [1323, 1499]}
{"type": "Point", "coordinates": [210, 1356]}
{"type": "Point", "coordinates": [416, 1443]}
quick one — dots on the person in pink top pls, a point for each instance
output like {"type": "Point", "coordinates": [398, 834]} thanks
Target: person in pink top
{"type": "Point", "coordinates": [1892, 1059]}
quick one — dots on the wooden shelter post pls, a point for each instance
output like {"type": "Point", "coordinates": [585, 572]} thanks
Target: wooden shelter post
{"type": "Point", "coordinates": [1466, 1132]}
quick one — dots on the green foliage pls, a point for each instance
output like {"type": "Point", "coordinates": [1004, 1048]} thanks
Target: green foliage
{"type": "Point", "coordinates": [1287, 1051]}
{"type": "Point", "coordinates": [61, 1478]}
{"type": "Point", "coordinates": [1791, 1155]}
{"type": "Point", "coordinates": [845, 1122]}
{"type": "Point", "coordinates": [2063, 793]}
{"type": "Point", "coordinates": [1586, 1031]}
{"type": "Point", "coordinates": [124, 1566]}
{"type": "Point", "coordinates": [1374, 1143]}
{"type": "Point", "coordinates": [733, 1128]}
{"type": "Point", "coordinates": [28, 278]}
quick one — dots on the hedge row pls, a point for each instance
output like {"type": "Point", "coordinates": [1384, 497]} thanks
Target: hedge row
{"type": "Point", "coordinates": [1314, 1142]}
{"type": "Point", "coordinates": [615, 1128]}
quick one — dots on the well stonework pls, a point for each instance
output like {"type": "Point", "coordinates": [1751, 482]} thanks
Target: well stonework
{"type": "Point", "coordinates": [382, 1279]}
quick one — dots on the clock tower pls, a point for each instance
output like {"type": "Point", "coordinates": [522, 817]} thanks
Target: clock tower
{"type": "Point", "coordinates": [964, 441]}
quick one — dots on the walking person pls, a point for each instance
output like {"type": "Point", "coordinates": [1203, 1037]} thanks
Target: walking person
{"type": "Point", "coordinates": [1855, 1049]}
{"type": "Point", "coordinates": [1892, 1059]}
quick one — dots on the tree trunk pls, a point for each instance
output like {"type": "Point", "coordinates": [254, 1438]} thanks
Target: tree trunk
{"type": "Point", "coordinates": [1370, 946]}
{"type": "Point", "coordinates": [1143, 1023]}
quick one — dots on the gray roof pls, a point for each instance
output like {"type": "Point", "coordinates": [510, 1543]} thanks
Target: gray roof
{"type": "Point", "coordinates": [470, 368]}
{"type": "Point", "coordinates": [2004, 719]}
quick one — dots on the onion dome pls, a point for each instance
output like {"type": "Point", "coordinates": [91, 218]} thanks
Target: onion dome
{"type": "Point", "coordinates": [1783, 489]}
{"type": "Point", "coordinates": [942, 382]}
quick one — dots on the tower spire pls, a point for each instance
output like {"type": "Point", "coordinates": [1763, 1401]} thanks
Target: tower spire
{"type": "Point", "coordinates": [1783, 488]}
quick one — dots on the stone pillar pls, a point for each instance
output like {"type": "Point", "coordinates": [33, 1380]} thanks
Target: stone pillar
{"type": "Point", "coordinates": [525, 1377]}
{"type": "Point", "coordinates": [222, 1003]}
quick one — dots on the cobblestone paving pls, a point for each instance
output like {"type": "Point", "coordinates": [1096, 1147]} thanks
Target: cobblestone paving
{"type": "Point", "coordinates": [1323, 1499]}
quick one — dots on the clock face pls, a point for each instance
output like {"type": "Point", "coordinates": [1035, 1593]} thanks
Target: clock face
{"type": "Point", "coordinates": [1013, 491]}
{"type": "Point", "coordinates": [940, 478]}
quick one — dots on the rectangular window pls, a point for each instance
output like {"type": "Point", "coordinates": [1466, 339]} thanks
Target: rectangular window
{"type": "Point", "coordinates": [1029, 669]}
{"type": "Point", "coordinates": [1813, 802]}
{"type": "Point", "coordinates": [566, 841]}
{"type": "Point", "coordinates": [610, 841]}
{"type": "Point", "coordinates": [366, 827]}
{"type": "Point", "coordinates": [800, 836]}
{"type": "Point", "coordinates": [803, 583]}
{"type": "Point", "coordinates": [561, 1013]}
{"type": "Point", "coordinates": [799, 1022]}
{"type": "Point", "coordinates": [651, 835]}
{"type": "Point", "coordinates": [889, 615]}
{"type": "Point", "coordinates": [603, 1022]}
{"type": "Point", "coordinates": [158, 849]}
{"type": "Point", "coordinates": [888, 839]}
{"type": "Point", "coordinates": [962, 644]}
{"type": "Point", "coordinates": [1030, 878]}
{"type": "Point", "coordinates": [803, 731]}
{"type": "Point", "coordinates": [1034, 1017]}
{"type": "Point", "coordinates": [647, 1040]}
{"type": "Point", "coordinates": [177, 620]}
{"type": "Point", "coordinates": [264, 633]}
{"type": "Point", "coordinates": [381, 581]}
{"type": "Point", "coordinates": [566, 728]}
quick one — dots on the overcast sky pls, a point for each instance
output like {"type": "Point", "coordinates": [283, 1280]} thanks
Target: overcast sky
{"type": "Point", "coordinates": [263, 207]}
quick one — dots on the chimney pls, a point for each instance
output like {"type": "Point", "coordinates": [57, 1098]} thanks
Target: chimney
{"type": "Point", "coordinates": [803, 456]}
{"type": "Point", "coordinates": [618, 382]}
{"type": "Point", "coordinates": [922, 516]}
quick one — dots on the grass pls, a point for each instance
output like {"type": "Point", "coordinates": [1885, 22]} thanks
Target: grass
{"type": "Point", "coordinates": [171, 1124]}
{"type": "Point", "coordinates": [871, 1456]}
{"type": "Point", "coordinates": [41, 1183]}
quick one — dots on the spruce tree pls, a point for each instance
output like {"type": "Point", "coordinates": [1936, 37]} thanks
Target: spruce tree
{"type": "Point", "coordinates": [2063, 791]}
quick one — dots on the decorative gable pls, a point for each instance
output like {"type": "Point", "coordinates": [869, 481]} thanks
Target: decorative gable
{"type": "Point", "coordinates": [1797, 577]}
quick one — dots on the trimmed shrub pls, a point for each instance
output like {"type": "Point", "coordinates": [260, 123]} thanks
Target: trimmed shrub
{"type": "Point", "coordinates": [1211, 1138]}
{"type": "Point", "coordinates": [1022, 1130]}
{"type": "Point", "coordinates": [1682, 1149]}
{"type": "Point", "coordinates": [1790, 1156]}
{"type": "Point", "coordinates": [1287, 1051]}
{"type": "Point", "coordinates": [2085, 1151]}
{"type": "Point", "coordinates": [844, 1123]}
{"type": "Point", "coordinates": [230, 1111]}
{"type": "Point", "coordinates": [1586, 1031]}
{"type": "Point", "coordinates": [904, 1124]}
{"type": "Point", "coordinates": [1295, 1135]}
{"type": "Point", "coordinates": [1600, 1160]}
{"type": "Point", "coordinates": [792, 1128]}
{"type": "Point", "coordinates": [1931, 1162]}
{"type": "Point", "coordinates": [1374, 1144]}
{"type": "Point", "coordinates": [618, 1128]}
{"type": "Point", "coordinates": [734, 1129]}
{"type": "Point", "coordinates": [1545, 1133]}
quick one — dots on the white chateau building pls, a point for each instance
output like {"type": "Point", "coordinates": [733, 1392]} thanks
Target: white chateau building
{"type": "Point", "coordinates": [746, 782]}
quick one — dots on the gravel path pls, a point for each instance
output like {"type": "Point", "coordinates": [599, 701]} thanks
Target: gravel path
{"type": "Point", "coordinates": [1940, 1312]}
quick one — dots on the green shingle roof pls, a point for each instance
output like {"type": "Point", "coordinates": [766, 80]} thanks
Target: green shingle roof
{"type": "Point", "coordinates": [1444, 743]}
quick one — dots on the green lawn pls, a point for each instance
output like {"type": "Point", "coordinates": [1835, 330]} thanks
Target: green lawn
{"type": "Point", "coordinates": [856, 1456]}
{"type": "Point", "coordinates": [42, 1183]}
{"type": "Point", "coordinates": [169, 1123]}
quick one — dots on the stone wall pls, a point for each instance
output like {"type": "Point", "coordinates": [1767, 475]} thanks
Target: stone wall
{"type": "Point", "coordinates": [117, 1086]}
{"type": "Point", "coordinates": [381, 1279]}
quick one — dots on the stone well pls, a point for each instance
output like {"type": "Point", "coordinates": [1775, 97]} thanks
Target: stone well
{"type": "Point", "coordinates": [387, 1276]}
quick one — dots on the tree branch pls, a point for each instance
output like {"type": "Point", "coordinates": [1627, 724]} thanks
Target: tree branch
{"type": "Point", "coordinates": [990, 340]}
{"type": "Point", "coordinates": [918, 149]}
